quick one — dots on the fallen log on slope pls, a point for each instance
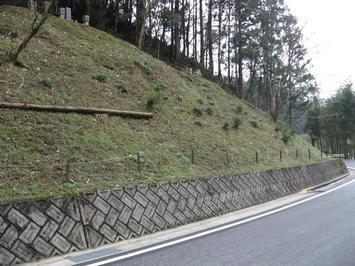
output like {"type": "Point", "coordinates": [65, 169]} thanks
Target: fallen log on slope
{"type": "Point", "coordinates": [71, 109]}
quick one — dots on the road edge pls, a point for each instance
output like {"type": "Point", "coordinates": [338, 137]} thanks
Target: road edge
{"type": "Point", "coordinates": [150, 248]}
{"type": "Point", "coordinates": [330, 181]}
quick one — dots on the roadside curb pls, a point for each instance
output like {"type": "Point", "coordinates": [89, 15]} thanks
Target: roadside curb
{"type": "Point", "coordinates": [329, 182]}
{"type": "Point", "coordinates": [126, 254]}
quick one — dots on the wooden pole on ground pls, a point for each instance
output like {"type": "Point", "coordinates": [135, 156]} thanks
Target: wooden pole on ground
{"type": "Point", "coordinates": [192, 156]}
{"type": "Point", "coordinates": [71, 109]}
{"type": "Point", "coordinates": [139, 166]}
{"type": "Point", "coordinates": [227, 157]}
{"type": "Point", "coordinates": [67, 172]}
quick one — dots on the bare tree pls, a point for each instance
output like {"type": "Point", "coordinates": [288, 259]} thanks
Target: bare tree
{"type": "Point", "coordinates": [37, 23]}
{"type": "Point", "coordinates": [146, 6]}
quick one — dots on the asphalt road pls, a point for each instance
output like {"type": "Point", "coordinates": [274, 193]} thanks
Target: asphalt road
{"type": "Point", "coordinates": [350, 163]}
{"type": "Point", "coordinates": [318, 232]}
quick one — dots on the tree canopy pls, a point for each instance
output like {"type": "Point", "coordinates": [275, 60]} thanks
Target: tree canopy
{"type": "Point", "coordinates": [252, 47]}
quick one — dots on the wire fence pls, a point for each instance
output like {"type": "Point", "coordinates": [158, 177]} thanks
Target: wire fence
{"type": "Point", "coordinates": [150, 165]}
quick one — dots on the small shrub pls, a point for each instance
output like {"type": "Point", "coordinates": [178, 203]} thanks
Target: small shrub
{"type": "Point", "coordinates": [225, 126]}
{"type": "Point", "coordinates": [145, 178]}
{"type": "Point", "coordinates": [254, 124]}
{"type": "Point", "coordinates": [70, 185]}
{"type": "Point", "coordinates": [197, 112]}
{"type": "Point", "coordinates": [239, 109]}
{"type": "Point", "coordinates": [198, 123]}
{"type": "Point", "coordinates": [200, 101]}
{"type": "Point", "coordinates": [279, 127]}
{"type": "Point", "coordinates": [152, 182]}
{"type": "Point", "coordinates": [153, 100]}
{"type": "Point", "coordinates": [184, 159]}
{"type": "Point", "coordinates": [156, 97]}
{"type": "Point", "coordinates": [286, 132]}
{"type": "Point", "coordinates": [147, 68]}
{"type": "Point", "coordinates": [159, 88]}
{"type": "Point", "coordinates": [48, 83]}
{"type": "Point", "coordinates": [209, 111]}
{"type": "Point", "coordinates": [102, 78]}
{"type": "Point", "coordinates": [237, 122]}
{"type": "Point", "coordinates": [19, 191]}
{"type": "Point", "coordinates": [287, 135]}
{"type": "Point", "coordinates": [7, 32]}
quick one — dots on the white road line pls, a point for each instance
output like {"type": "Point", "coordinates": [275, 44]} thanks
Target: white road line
{"type": "Point", "coordinates": [174, 242]}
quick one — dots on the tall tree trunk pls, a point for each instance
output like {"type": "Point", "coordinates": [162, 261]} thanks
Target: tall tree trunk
{"type": "Point", "coordinates": [139, 17]}
{"type": "Point", "coordinates": [206, 57]}
{"type": "Point", "coordinates": [87, 7]}
{"type": "Point", "coordinates": [150, 28]}
{"type": "Point", "coordinates": [229, 45]}
{"type": "Point", "coordinates": [202, 48]}
{"type": "Point", "coordinates": [252, 74]}
{"type": "Point", "coordinates": [162, 38]}
{"type": "Point", "coordinates": [130, 12]}
{"type": "Point", "coordinates": [236, 69]}
{"type": "Point", "coordinates": [194, 33]}
{"type": "Point", "coordinates": [146, 7]}
{"type": "Point", "coordinates": [183, 27]}
{"type": "Point", "coordinates": [260, 83]}
{"type": "Point", "coordinates": [142, 26]}
{"type": "Point", "coordinates": [177, 31]}
{"type": "Point", "coordinates": [187, 30]}
{"type": "Point", "coordinates": [172, 46]}
{"type": "Point", "coordinates": [240, 77]}
{"type": "Point", "coordinates": [219, 40]}
{"type": "Point", "coordinates": [290, 114]}
{"type": "Point", "coordinates": [209, 37]}
{"type": "Point", "coordinates": [125, 7]}
{"type": "Point", "coordinates": [239, 46]}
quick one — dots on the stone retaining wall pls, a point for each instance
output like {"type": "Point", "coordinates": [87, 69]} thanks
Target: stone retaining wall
{"type": "Point", "coordinates": [30, 230]}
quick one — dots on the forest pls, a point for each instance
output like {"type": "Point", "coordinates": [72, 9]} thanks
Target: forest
{"type": "Point", "coordinates": [254, 48]}
{"type": "Point", "coordinates": [332, 121]}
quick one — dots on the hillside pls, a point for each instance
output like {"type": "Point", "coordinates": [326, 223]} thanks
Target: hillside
{"type": "Point", "coordinates": [73, 65]}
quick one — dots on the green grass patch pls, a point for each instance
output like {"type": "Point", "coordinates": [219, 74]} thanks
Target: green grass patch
{"type": "Point", "coordinates": [189, 114]}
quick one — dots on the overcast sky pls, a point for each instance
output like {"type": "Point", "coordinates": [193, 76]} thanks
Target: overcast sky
{"type": "Point", "coordinates": [329, 35]}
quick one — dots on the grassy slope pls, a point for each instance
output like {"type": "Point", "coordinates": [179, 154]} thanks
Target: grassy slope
{"type": "Point", "coordinates": [33, 146]}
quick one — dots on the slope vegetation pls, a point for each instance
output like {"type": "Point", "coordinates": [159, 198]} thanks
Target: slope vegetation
{"type": "Point", "coordinates": [73, 65]}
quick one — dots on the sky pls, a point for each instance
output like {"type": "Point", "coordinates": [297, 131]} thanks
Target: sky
{"type": "Point", "coordinates": [329, 35]}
